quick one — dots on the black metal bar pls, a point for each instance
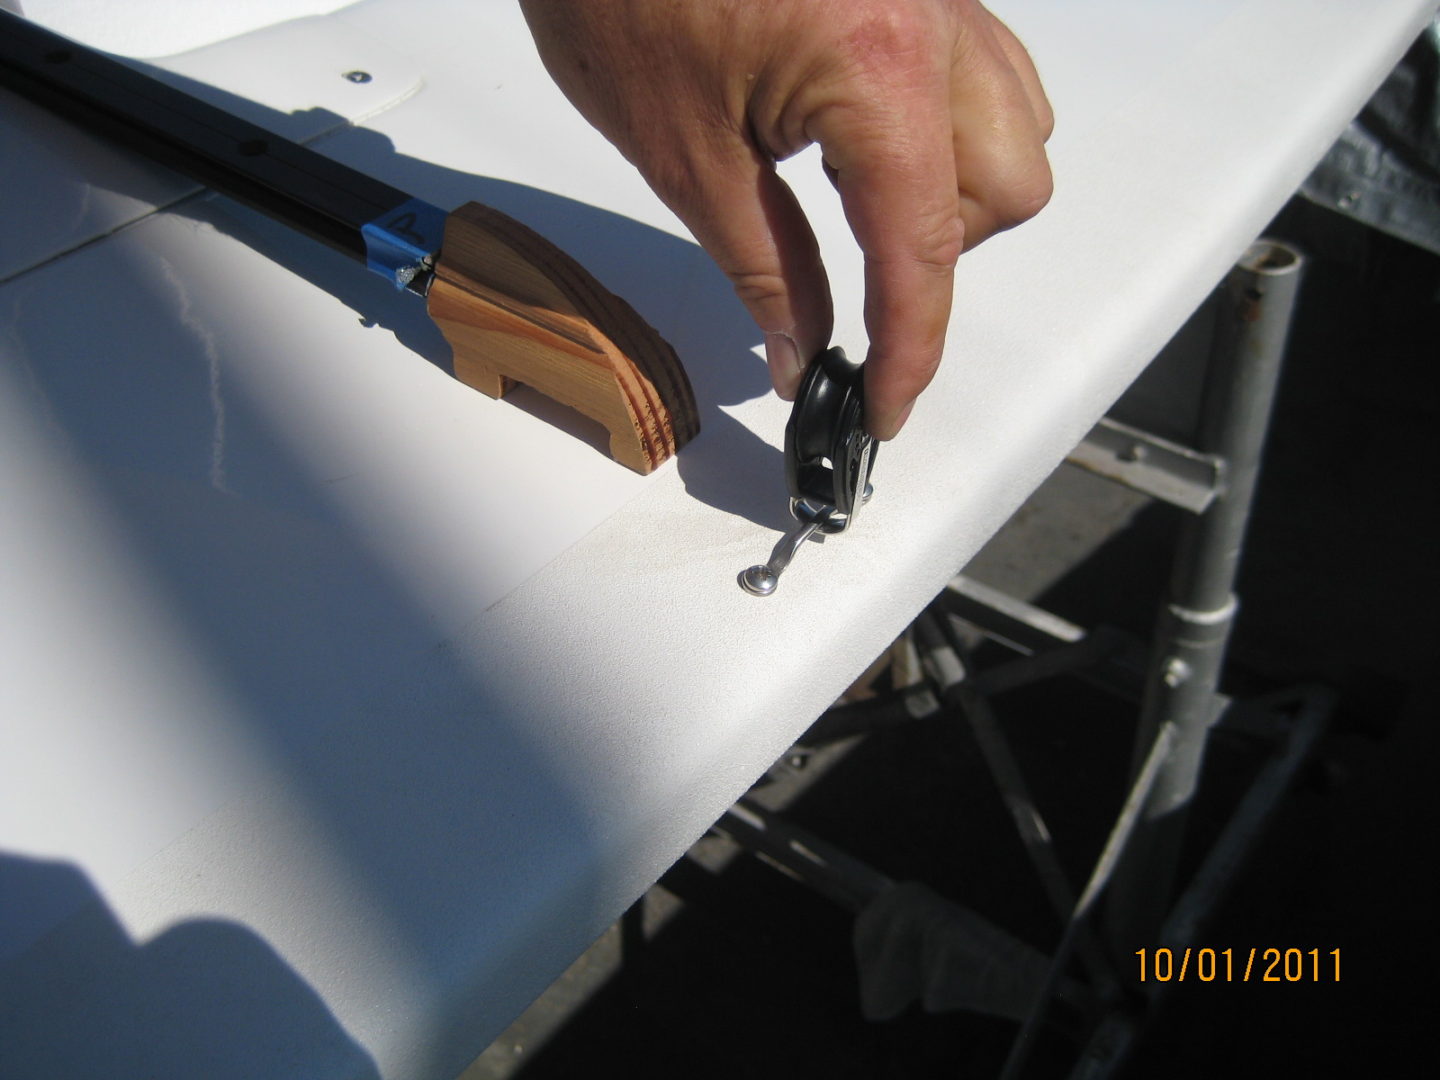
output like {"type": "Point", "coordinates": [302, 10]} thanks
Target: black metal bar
{"type": "Point", "coordinates": [944, 657]}
{"type": "Point", "coordinates": [1310, 709]}
{"type": "Point", "coordinates": [287, 181]}
{"type": "Point", "coordinates": [824, 867]}
{"type": "Point", "coordinates": [1120, 661]}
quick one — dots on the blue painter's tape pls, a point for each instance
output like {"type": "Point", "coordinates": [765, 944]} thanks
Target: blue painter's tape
{"type": "Point", "coordinates": [403, 242]}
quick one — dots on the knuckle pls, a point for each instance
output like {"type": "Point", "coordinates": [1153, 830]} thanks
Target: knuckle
{"type": "Point", "coordinates": [1045, 120]}
{"type": "Point", "coordinates": [757, 287]}
{"type": "Point", "coordinates": [939, 247]}
{"type": "Point", "coordinates": [922, 368]}
{"type": "Point", "coordinates": [1021, 201]}
{"type": "Point", "coordinates": [1035, 195]}
{"type": "Point", "coordinates": [884, 35]}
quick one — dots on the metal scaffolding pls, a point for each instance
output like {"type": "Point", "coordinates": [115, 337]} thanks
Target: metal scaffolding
{"type": "Point", "coordinates": [1131, 894]}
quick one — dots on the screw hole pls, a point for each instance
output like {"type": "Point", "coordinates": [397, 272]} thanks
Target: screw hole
{"type": "Point", "coordinates": [358, 76]}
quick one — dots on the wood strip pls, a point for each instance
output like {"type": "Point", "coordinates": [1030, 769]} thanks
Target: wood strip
{"type": "Point", "coordinates": [517, 309]}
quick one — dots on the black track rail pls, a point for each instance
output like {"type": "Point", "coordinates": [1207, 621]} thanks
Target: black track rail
{"type": "Point", "coordinates": [282, 179]}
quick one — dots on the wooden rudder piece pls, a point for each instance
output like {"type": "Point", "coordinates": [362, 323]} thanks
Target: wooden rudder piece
{"type": "Point", "coordinates": [517, 309]}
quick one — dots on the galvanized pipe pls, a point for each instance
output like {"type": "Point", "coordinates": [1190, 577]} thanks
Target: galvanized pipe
{"type": "Point", "coordinates": [1195, 622]}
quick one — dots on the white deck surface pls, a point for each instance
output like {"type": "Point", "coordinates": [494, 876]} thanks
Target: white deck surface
{"type": "Point", "coordinates": [340, 706]}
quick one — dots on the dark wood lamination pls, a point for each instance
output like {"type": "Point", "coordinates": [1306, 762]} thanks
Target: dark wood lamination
{"type": "Point", "coordinates": [517, 309]}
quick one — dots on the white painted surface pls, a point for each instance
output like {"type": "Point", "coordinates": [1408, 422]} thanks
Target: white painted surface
{"type": "Point", "coordinates": [343, 706]}
{"type": "Point", "coordinates": [148, 28]}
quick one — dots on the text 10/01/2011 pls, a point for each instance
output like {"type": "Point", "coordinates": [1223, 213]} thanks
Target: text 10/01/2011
{"type": "Point", "coordinates": [1272, 965]}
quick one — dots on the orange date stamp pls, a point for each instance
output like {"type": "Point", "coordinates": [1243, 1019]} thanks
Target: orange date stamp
{"type": "Point", "coordinates": [1256, 964]}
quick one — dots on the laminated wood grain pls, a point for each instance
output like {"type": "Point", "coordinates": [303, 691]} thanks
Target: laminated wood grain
{"type": "Point", "coordinates": [517, 309]}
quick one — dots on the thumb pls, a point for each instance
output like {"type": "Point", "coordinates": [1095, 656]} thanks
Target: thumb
{"type": "Point", "coordinates": [748, 220]}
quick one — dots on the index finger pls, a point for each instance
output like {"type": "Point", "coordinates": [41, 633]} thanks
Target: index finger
{"type": "Point", "coordinates": [897, 183]}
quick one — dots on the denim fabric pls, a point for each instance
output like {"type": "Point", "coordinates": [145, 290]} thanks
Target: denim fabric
{"type": "Point", "coordinates": [1385, 169]}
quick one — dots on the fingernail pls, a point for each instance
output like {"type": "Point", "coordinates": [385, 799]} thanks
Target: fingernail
{"type": "Point", "coordinates": [784, 360]}
{"type": "Point", "coordinates": [889, 427]}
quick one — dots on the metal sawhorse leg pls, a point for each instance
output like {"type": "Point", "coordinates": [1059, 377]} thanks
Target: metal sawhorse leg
{"type": "Point", "coordinates": [1135, 874]}
{"type": "Point", "coordinates": [1127, 901]}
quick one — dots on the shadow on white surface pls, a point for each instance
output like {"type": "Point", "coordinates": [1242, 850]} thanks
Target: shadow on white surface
{"type": "Point", "coordinates": [204, 998]}
{"type": "Point", "coordinates": [417, 748]}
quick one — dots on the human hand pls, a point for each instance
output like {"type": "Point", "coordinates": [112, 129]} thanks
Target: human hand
{"type": "Point", "coordinates": [929, 113]}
